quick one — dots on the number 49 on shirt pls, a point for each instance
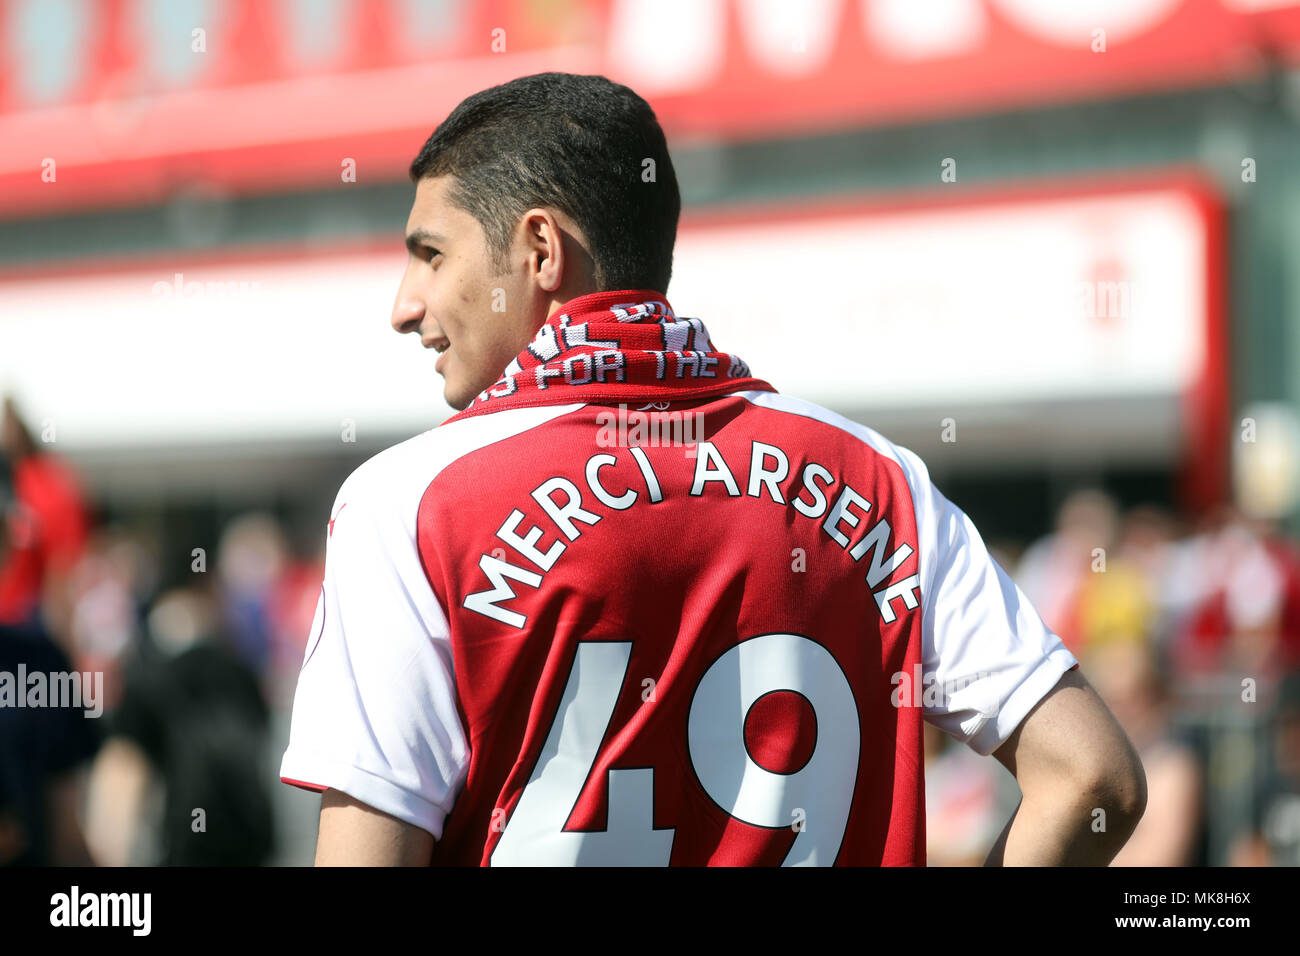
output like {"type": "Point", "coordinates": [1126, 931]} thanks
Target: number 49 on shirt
{"type": "Point", "coordinates": [814, 800]}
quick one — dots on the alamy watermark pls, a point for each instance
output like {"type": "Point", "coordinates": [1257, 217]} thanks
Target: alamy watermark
{"type": "Point", "coordinates": [181, 288]}
{"type": "Point", "coordinates": [133, 911]}
{"type": "Point", "coordinates": [40, 689]}
{"type": "Point", "coordinates": [652, 425]}
{"type": "Point", "coordinates": [917, 689]}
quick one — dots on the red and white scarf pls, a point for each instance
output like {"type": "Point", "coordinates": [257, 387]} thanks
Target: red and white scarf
{"type": "Point", "coordinates": [618, 346]}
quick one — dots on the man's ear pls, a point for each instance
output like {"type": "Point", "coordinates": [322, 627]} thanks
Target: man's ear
{"type": "Point", "coordinates": [544, 243]}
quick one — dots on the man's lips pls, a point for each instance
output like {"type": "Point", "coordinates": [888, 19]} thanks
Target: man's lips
{"type": "Point", "coordinates": [442, 345]}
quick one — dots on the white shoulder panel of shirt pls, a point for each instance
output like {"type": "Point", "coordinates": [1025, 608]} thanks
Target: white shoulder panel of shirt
{"type": "Point", "coordinates": [374, 713]}
{"type": "Point", "coordinates": [987, 656]}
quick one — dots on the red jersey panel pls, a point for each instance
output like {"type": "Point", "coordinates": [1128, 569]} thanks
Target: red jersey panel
{"type": "Point", "coordinates": [705, 613]}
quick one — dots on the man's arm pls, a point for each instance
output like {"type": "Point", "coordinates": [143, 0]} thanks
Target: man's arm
{"type": "Point", "coordinates": [375, 713]}
{"type": "Point", "coordinates": [1071, 758]}
{"type": "Point", "coordinates": [354, 834]}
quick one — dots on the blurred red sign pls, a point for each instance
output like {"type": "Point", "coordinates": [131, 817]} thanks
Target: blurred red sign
{"type": "Point", "coordinates": [137, 99]}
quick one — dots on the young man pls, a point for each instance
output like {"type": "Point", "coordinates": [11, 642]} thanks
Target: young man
{"type": "Point", "coordinates": [548, 634]}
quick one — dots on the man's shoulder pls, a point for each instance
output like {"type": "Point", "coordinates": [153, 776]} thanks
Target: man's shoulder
{"type": "Point", "coordinates": [911, 464]}
{"type": "Point", "coordinates": [401, 473]}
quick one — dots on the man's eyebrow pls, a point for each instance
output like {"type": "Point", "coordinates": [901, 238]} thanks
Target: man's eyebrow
{"type": "Point", "coordinates": [417, 238]}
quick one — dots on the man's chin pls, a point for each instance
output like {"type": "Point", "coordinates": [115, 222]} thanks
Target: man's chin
{"type": "Point", "coordinates": [460, 395]}
{"type": "Point", "coordinates": [457, 401]}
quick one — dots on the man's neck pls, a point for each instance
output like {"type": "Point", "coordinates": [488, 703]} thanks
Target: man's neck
{"type": "Point", "coordinates": [560, 298]}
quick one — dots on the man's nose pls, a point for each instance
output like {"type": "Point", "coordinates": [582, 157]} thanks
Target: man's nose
{"type": "Point", "coordinates": [407, 314]}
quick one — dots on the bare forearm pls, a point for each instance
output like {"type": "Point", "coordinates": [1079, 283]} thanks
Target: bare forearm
{"type": "Point", "coordinates": [1060, 830]}
{"type": "Point", "coordinates": [1083, 785]}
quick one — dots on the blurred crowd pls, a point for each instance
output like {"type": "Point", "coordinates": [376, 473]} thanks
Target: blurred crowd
{"type": "Point", "coordinates": [180, 767]}
{"type": "Point", "coordinates": [1191, 634]}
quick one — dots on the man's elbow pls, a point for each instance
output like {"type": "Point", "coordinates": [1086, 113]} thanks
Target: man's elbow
{"type": "Point", "coordinates": [1118, 786]}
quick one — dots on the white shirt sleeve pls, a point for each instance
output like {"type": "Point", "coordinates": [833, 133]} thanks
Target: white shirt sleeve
{"type": "Point", "coordinates": [375, 714]}
{"type": "Point", "coordinates": [987, 656]}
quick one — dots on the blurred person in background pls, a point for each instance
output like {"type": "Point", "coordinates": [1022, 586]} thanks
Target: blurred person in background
{"type": "Point", "coordinates": [967, 801]}
{"type": "Point", "coordinates": [1085, 588]}
{"type": "Point", "coordinates": [42, 749]}
{"type": "Point", "coordinates": [268, 593]}
{"type": "Point", "coordinates": [109, 593]}
{"type": "Point", "coordinates": [291, 611]}
{"type": "Point", "coordinates": [1248, 619]}
{"type": "Point", "coordinates": [1052, 568]}
{"type": "Point", "coordinates": [182, 781]}
{"type": "Point", "coordinates": [1127, 679]}
{"type": "Point", "coordinates": [48, 535]}
{"type": "Point", "coordinates": [251, 560]}
{"type": "Point", "coordinates": [1274, 835]}
{"type": "Point", "coordinates": [1149, 543]}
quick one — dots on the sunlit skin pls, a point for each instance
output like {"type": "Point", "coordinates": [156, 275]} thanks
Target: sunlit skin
{"type": "Point", "coordinates": [450, 287]}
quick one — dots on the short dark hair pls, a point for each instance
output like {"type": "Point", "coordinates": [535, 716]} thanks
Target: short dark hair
{"type": "Point", "coordinates": [574, 143]}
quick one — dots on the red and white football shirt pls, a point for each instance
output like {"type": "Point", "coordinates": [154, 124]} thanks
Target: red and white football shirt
{"type": "Point", "coordinates": [546, 643]}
